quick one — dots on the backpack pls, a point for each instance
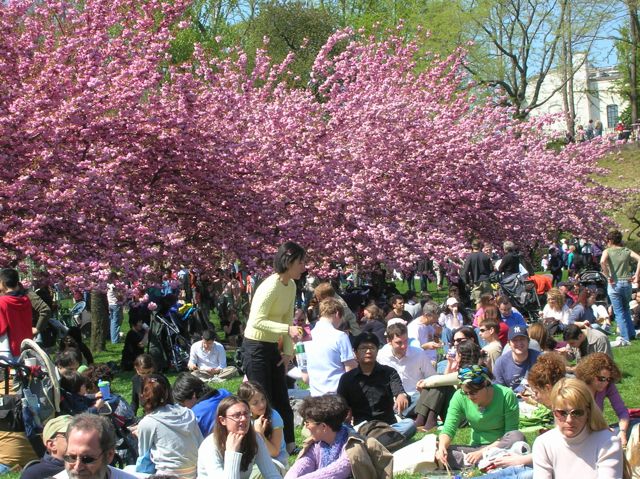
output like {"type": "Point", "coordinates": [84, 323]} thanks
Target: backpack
{"type": "Point", "coordinates": [383, 433]}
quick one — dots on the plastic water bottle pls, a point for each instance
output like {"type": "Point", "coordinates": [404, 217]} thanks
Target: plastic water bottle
{"type": "Point", "coordinates": [301, 357]}
{"type": "Point", "coordinates": [105, 389]}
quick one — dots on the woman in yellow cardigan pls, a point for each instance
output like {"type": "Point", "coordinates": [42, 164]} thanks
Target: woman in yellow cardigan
{"type": "Point", "coordinates": [271, 319]}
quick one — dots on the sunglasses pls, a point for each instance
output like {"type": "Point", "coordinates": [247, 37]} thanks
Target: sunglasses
{"type": "Point", "coordinates": [562, 415]}
{"type": "Point", "coordinates": [364, 349]}
{"type": "Point", "coordinates": [73, 458]}
{"type": "Point", "coordinates": [604, 379]}
{"type": "Point", "coordinates": [459, 340]}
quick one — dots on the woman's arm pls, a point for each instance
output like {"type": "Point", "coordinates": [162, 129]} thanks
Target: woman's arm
{"type": "Point", "coordinates": [265, 464]}
{"type": "Point", "coordinates": [273, 444]}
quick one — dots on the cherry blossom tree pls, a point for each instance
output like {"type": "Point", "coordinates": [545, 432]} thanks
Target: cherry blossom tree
{"type": "Point", "coordinates": [113, 158]}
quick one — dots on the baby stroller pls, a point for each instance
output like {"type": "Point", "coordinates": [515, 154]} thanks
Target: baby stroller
{"type": "Point", "coordinates": [31, 395]}
{"type": "Point", "coordinates": [189, 320]}
{"type": "Point", "coordinates": [168, 345]}
{"type": "Point", "coordinates": [522, 295]}
{"type": "Point", "coordinates": [595, 280]}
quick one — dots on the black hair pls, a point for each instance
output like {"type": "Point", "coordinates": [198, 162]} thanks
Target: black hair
{"type": "Point", "coordinates": [395, 298]}
{"type": "Point", "coordinates": [68, 357]}
{"type": "Point", "coordinates": [209, 335]}
{"type": "Point", "coordinates": [187, 385]}
{"type": "Point", "coordinates": [366, 338]}
{"type": "Point", "coordinates": [329, 409]}
{"type": "Point", "coordinates": [288, 252]}
{"type": "Point", "coordinates": [72, 382]}
{"type": "Point", "coordinates": [615, 237]}
{"type": "Point", "coordinates": [9, 277]}
{"type": "Point", "coordinates": [572, 332]}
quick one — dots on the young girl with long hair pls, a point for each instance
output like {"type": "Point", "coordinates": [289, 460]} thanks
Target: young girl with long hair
{"type": "Point", "coordinates": [266, 421]}
{"type": "Point", "coordinates": [233, 448]}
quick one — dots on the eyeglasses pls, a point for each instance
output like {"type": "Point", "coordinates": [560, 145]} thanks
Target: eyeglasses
{"type": "Point", "coordinates": [72, 458]}
{"type": "Point", "coordinates": [238, 416]}
{"type": "Point", "coordinates": [562, 415]}
{"type": "Point", "coordinates": [364, 349]}
{"type": "Point", "coordinates": [472, 392]}
{"type": "Point", "coordinates": [604, 379]}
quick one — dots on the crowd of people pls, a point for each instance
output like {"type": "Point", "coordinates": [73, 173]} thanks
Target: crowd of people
{"type": "Point", "coordinates": [376, 373]}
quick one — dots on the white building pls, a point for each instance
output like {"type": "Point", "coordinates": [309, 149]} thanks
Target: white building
{"type": "Point", "coordinates": [595, 96]}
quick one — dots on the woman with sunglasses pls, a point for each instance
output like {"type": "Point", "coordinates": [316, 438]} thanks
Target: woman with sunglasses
{"type": "Point", "coordinates": [491, 411]}
{"type": "Point", "coordinates": [547, 371]}
{"type": "Point", "coordinates": [234, 448]}
{"type": "Point", "coordinates": [168, 434]}
{"type": "Point", "coordinates": [600, 373]}
{"type": "Point", "coordinates": [581, 445]}
{"type": "Point", "coordinates": [333, 451]}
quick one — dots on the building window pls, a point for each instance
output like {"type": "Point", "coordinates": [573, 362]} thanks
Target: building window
{"type": "Point", "coordinates": [612, 115]}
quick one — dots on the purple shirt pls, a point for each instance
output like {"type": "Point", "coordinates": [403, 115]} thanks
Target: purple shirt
{"type": "Point", "coordinates": [614, 398]}
{"type": "Point", "coordinates": [307, 466]}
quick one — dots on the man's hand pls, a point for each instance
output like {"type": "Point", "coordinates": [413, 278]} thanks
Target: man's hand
{"type": "Point", "coordinates": [441, 454]}
{"type": "Point", "coordinates": [401, 403]}
{"type": "Point", "coordinates": [214, 370]}
{"type": "Point", "coordinates": [431, 345]}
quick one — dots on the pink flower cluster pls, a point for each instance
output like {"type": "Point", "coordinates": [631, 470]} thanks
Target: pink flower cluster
{"type": "Point", "coordinates": [112, 158]}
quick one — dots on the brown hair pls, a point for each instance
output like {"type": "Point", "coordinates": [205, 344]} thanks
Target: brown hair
{"type": "Point", "coordinates": [376, 312]}
{"type": "Point", "coordinates": [249, 445]}
{"type": "Point", "coordinates": [156, 392]}
{"type": "Point", "coordinates": [538, 332]}
{"type": "Point", "coordinates": [548, 369]}
{"type": "Point", "coordinates": [323, 291]}
{"type": "Point", "coordinates": [590, 366]}
{"type": "Point", "coordinates": [490, 313]}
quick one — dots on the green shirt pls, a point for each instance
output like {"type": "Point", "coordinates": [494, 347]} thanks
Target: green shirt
{"type": "Point", "coordinates": [500, 417]}
{"type": "Point", "coordinates": [619, 263]}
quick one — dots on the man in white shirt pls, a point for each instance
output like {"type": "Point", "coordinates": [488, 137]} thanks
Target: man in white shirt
{"type": "Point", "coordinates": [329, 354]}
{"type": "Point", "coordinates": [208, 359]}
{"type": "Point", "coordinates": [424, 332]}
{"type": "Point", "coordinates": [410, 362]}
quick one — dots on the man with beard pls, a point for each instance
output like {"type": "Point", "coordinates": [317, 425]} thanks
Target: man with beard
{"type": "Point", "coordinates": [91, 441]}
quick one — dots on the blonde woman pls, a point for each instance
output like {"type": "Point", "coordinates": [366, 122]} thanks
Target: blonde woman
{"type": "Point", "coordinates": [581, 445]}
{"type": "Point", "coordinates": [555, 313]}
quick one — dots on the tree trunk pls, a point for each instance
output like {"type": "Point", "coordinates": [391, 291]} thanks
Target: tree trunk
{"type": "Point", "coordinates": [634, 31]}
{"type": "Point", "coordinates": [99, 321]}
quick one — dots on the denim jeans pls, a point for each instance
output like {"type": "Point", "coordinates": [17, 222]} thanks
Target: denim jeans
{"type": "Point", "coordinates": [512, 472]}
{"type": "Point", "coordinates": [115, 320]}
{"type": "Point", "coordinates": [4, 469]}
{"type": "Point", "coordinates": [620, 295]}
{"type": "Point", "coordinates": [406, 427]}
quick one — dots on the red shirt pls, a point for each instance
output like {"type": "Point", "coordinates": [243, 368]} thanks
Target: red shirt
{"type": "Point", "coordinates": [542, 282]}
{"type": "Point", "coordinates": [15, 320]}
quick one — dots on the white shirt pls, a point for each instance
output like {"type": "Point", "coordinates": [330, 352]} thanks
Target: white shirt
{"type": "Point", "coordinates": [414, 309]}
{"type": "Point", "coordinates": [112, 298]}
{"type": "Point", "coordinates": [423, 333]}
{"type": "Point", "coordinates": [562, 316]}
{"type": "Point", "coordinates": [413, 367]}
{"type": "Point", "coordinates": [214, 358]}
{"type": "Point", "coordinates": [326, 354]}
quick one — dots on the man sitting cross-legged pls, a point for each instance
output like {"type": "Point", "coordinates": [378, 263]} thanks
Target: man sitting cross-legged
{"type": "Point", "coordinates": [208, 359]}
{"type": "Point", "coordinates": [374, 391]}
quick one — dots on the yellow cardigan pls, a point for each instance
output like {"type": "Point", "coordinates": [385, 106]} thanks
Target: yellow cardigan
{"type": "Point", "coordinates": [272, 312]}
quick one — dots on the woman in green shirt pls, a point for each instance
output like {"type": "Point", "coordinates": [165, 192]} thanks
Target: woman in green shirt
{"type": "Point", "coordinates": [616, 266]}
{"type": "Point", "coordinates": [491, 411]}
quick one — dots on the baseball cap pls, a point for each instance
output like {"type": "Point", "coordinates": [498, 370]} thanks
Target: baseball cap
{"type": "Point", "coordinates": [395, 321]}
{"type": "Point", "coordinates": [451, 301]}
{"type": "Point", "coordinates": [54, 426]}
{"type": "Point", "coordinates": [515, 331]}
